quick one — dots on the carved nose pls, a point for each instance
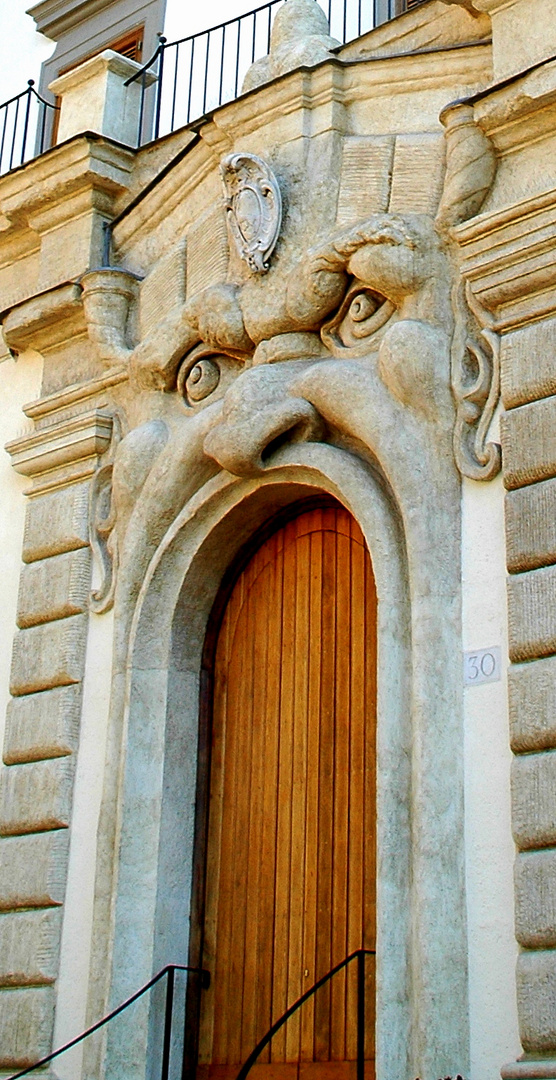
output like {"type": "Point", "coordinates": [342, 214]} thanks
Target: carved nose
{"type": "Point", "coordinates": [244, 444]}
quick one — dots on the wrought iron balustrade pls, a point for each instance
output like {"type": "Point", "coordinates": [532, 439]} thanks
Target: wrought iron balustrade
{"type": "Point", "coordinates": [186, 79]}
{"type": "Point", "coordinates": [25, 127]}
{"type": "Point", "coordinates": [199, 73]}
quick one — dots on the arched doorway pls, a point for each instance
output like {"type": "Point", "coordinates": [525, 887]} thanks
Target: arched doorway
{"type": "Point", "coordinates": [286, 874]}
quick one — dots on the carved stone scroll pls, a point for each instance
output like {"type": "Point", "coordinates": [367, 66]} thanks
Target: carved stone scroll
{"type": "Point", "coordinates": [254, 208]}
{"type": "Point", "coordinates": [476, 386]}
{"type": "Point", "coordinates": [102, 518]}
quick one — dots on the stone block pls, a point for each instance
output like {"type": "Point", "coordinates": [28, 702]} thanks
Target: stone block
{"type": "Point", "coordinates": [528, 363]}
{"type": "Point", "coordinates": [49, 656]}
{"type": "Point", "coordinates": [536, 1000]}
{"type": "Point", "coordinates": [532, 614]}
{"type": "Point", "coordinates": [207, 251]}
{"type": "Point", "coordinates": [528, 436]}
{"type": "Point", "coordinates": [533, 801]}
{"type": "Point", "coordinates": [532, 701]}
{"type": "Point", "coordinates": [535, 899]}
{"type": "Point", "coordinates": [29, 947]}
{"type": "Point", "coordinates": [42, 725]}
{"type": "Point", "coordinates": [54, 588]}
{"type": "Point", "coordinates": [365, 178]}
{"type": "Point", "coordinates": [33, 870]}
{"type": "Point", "coordinates": [26, 1026]}
{"type": "Point", "coordinates": [163, 289]}
{"type": "Point", "coordinates": [418, 174]}
{"type": "Point", "coordinates": [57, 522]}
{"type": "Point", "coordinates": [36, 797]}
{"type": "Point", "coordinates": [531, 526]}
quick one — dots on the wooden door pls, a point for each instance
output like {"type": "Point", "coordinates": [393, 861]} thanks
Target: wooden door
{"type": "Point", "coordinates": [290, 860]}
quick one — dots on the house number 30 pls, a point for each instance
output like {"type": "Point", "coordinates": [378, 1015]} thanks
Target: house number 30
{"type": "Point", "coordinates": [481, 666]}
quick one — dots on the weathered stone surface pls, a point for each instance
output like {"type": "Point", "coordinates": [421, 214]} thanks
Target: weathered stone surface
{"type": "Point", "coordinates": [26, 1018]}
{"type": "Point", "coordinates": [36, 796]}
{"type": "Point", "coordinates": [43, 725]}
{"type": "Point", "coordinates": [49, 656]}
{"type": "Point", "coordinates": [528, 363]}
{"type": "Point", "coordinates": [531, 526]}
{"type": "Point", "coordinates": [418, 173]}
{"type": "Point", "coordinates": [33, 870]}
{"type": "Point", "coordinates": [54, 588]}
{"type": "Point", "coordinates": [532, 700]}
{"type": "Point", "coordinates": [29, 947]}
{"type": "Point", "coordinates": [532, 614]}
{"type": "Point", "coordinates": [163, 289]}
{"type": "Point", "coordinates": [365, 178]}
{"type": "Point", "coordinates": [529, 443]}
{"type": "Point", "coordinates": [535, 899]}
{"type": "Point", "coordinates": [533, 801]}
{"type": "Point", "coordinates": [57, 522]}
{"type": "Point", "coordinates": [536, 997]}
{"type": "Point", "coordinates": [207, 251]}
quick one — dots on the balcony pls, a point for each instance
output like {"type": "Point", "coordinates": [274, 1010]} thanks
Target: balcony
{"type": "Point", "coordinates": [186, 79]}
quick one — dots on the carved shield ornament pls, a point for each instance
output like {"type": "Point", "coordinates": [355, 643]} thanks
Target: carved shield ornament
{"type": "Point", "coordinates": [254, 208]}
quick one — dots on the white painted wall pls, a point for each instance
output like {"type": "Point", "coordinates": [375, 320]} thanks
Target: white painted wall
{"type": "Point", "coordinates": [22, 49]}
{"type": "Point", "coordinates": [20, 382]}
{"type": "Point", "coordinates": [489, 845]}
{"type": "Point", "coordinates": [73, 981]}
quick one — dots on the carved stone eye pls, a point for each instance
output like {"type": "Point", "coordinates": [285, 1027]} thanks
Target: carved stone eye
{"type": "Point", "coordinates": [202, 380]}
{"type": "Point", "coordinates": [363, 306]}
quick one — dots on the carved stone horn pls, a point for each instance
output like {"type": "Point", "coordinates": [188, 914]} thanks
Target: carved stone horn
{"type": "Point", "coordinates": [470, 166]}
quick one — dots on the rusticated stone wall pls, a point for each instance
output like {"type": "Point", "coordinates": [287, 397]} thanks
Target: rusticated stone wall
{"type": "Point", "coordinates": [529, 439]}
{"type": "Point", "coordinates": [42, 728]}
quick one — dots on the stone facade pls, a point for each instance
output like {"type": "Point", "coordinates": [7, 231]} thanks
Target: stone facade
{"type": "Point", "coordinates": [341, 283]}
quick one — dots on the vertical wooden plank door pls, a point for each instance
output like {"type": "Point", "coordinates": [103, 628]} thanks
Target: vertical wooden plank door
{"type": "Point", "coordinates": [291, 851]}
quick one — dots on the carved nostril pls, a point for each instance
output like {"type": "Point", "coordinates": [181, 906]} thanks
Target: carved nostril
{"type": "Point", "coordinates": [304, 430]}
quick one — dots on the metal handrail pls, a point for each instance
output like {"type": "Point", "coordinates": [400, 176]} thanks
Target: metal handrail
{"type": "Point", "coordinates": [15, 127]}
{"type": "Point", "coordinates": [204, 70]}
{"type": "Point", "coordinates": [170, 971]}
{"type": "Point", "coordinates": [358, 955]}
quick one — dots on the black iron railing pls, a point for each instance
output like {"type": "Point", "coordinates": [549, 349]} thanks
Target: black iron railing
{"type": "Point", "coordinates": [169, 973]}
{"type": "Point", "coordinates": [25, 127]}
{"type": "Point", "coordinates": [185, 79]}
{"type": "Point", "coordinates": [359, 955]}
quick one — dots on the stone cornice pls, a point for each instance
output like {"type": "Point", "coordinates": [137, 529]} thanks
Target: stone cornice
{"type": "Point", "coordinates": [46, 320]}
{"type": "Point", "coordinates": [64, 452]}
{"type": "Point", "coordinates": [508, 257]}
{"type": "Point", "coordinates": [51, 404]}
{"type": "Point", "coordinates": [56, 17]}
{"type": "Point", "coordinates": [519, 111]}
{"type": "Point", "coordinates": [87, 161]}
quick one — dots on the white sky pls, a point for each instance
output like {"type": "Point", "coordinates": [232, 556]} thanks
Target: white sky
{"type": "Point", "coordinates": [22, 50]}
